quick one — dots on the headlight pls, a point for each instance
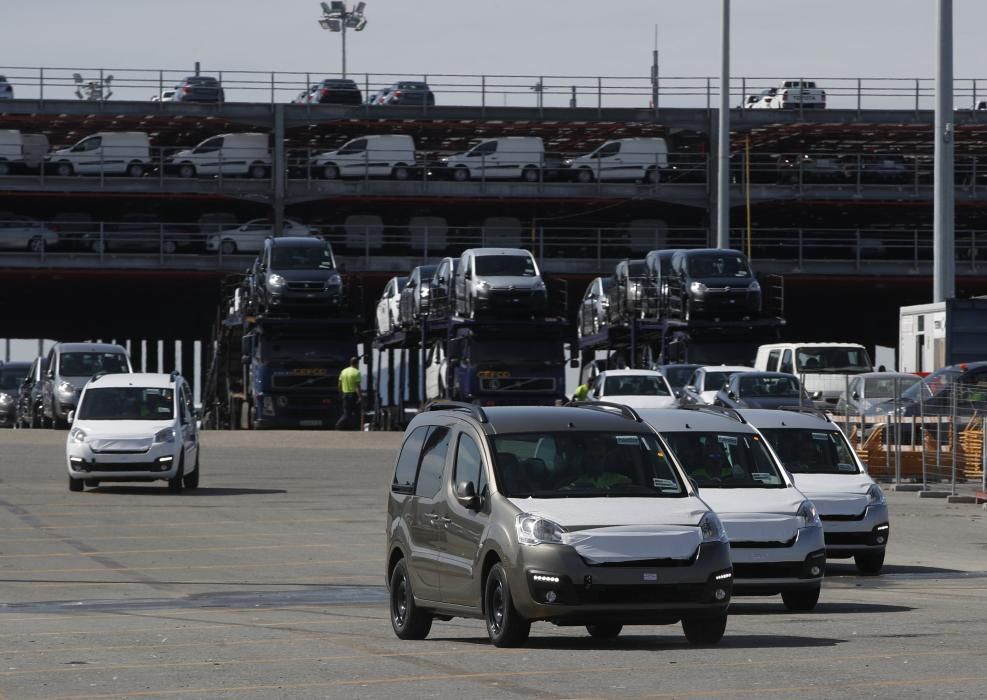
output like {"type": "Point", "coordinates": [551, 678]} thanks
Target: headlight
{"type": "Point", "coordinates": [807, 511]}
{"type": "Point", "coordinates": [275, 281]}
{"type": "Point", "coordinates": [6, 399]}
{"type": "Point", "coordinates": [540, 285]}
{"type": "Point", "coordinates": [755, 287]}
{"type": "Point", "coordinates": [534, 529]}
{"type": "Point", "coordinates": [78, 435]}
{"type": "Point", "coordinates": [65, 388]}
{"type": "Point", "coordinates": [712, 528]}
{"type": "Point", "coordinates": [334, 280]}
{"type": "Point", "coordinates": [697, 287]}
{"type": "Point", "coordinates": [875, 496]}
{"type": "Point", "coordinates": [483, 284]}
{"type": "Point", "coordinates": [165, 435]}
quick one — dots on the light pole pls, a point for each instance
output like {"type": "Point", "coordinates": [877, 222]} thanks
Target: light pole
{"type": "Point", "coordinates": [336, 18]}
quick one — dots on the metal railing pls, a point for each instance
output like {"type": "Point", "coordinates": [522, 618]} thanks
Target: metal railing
{"type": "Point", "coordinates": [485, 90]}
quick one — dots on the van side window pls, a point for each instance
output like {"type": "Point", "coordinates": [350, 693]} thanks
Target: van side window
{"type": "Point", "coordinates": [433, 462]}
{"type": "Point", "coordinates": [786, 362]}
{"type": "Point", "coordinates": [210, 146]}
{"type": "Point", "coordinates": [773, 360]}
{"type": "Point", "coordinates": [469, 464]}
{"type": "Point", "coordinates": [484, 149]}
{"type": "Point", "coordinates": [608, 150]}
{"type": "Point", "coordinates": [407, 466]}
{"type": "Point", "coordinates": [358, 146]}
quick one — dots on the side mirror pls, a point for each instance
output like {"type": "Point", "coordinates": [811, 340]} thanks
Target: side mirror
{"type": "Point", "coordinates": [816, 395]}
{"type": "Point", "coordinates": [732, 395]}
{"type": "Point", "coordinates": [71, 417]}
{"type": "Point", "coordinates": [677, 393]}
{"type": "Point", "coordinates": [466, 495]}
{"type": "Point", "coordinates": [855, 396]}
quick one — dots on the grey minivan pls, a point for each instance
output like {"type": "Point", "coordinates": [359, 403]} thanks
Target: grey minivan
{"type": "Point", "coordinates": [570, 515]}
{"type": "Point", "coordinates": [70, 366]}
{"type": "Point", "coordinates": [498, 281]}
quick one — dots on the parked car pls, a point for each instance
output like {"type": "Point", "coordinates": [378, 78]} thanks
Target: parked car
{"type": "Point", "coordinates": [762, 390]}
{"type": "Point", "coordinates": [678, 375]}
{"type": "Point", "coordinates": [706, 382]}
{"type": "Point", "coordinates": [383, 155]}
{"type": "Point", "coordinates": [633, 294]}
{"type": "Point", "coordinates": [296, 272]}
{"type": "Point", "coordinates": [776, 536]}
{"type": "Point", "coordinates": [109, 153]}
{"type": "Point", "coordinates": [165, 95]}
{"type": "Point", "coordinates": [336, 91]}
{"type": "Point", "coordinates": [959, 390]}
{"type": "Point", "coordinates": [406, 92]}
{"type": "Point", "coordinates": [443, 289]}
{"type": "Point", "coordinates": [415, 299]}
{"type": "Point", "coordinates": [622, 159]}
{"type": "Point", "coordinates": [229, 155]}
{"type": "Point", "coordinates": [25, 233]}
{"type": "Point", "coordinates": [659, 270]}
{"type": "Point", "coordinates": [792, 94]}
{"type": "Point", "coordinates": [6, 89]}
{"type": "Point", "coordinates": [199, 88]}
{"type": "Point", "coordinates": [594, 310]}
{"type": "Point", "coordinates": [379, 97]}
{"type": "Point", "coordinates": [69, 367]}
{"type": "Point", "coordinates": [21, 152]}
{"type": "Point", "coordinates": [506, 157]}
{"type": "Point", "coordinates": [874, 393]}
{"type": "Point", "coordinates": [387, 305]}
{"type": "Point", "coordinates": [560, 515]}
{"type": "Point", "coordinates": [141, 427]}
{"type": "Point", "coordinates": [74, 229]}
{"type": "Point", "coordinates": [823, 368]}
{"type": "Point", "coordinates": [713, 282]}
{"type": "Point", "coordinates": [249, 237]}
{"type": "Point", "coordinates": [134, 232]}
{"type": "Point", "coordinates": [637, 388]}
{"type": "Point", "coordinates": [813, 168]}
{"type": "Point", "coordinates": [11, 378]}
{"type": "Point", "coordinates": [498, 281]}
{"type": "Point", "coordinates": [825, 468]}
{"type": "Point", "coordinates": [30, 409]}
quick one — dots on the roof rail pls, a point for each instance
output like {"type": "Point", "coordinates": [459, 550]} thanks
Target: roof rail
{"type": "Point", "coordinates": [807, 410]}
{"type": "Point", "coordinates": [445, 405]}
{"type": "Point", "coordinates": [712, 409]}
{"type": "Point", "coordinates": [625, 411]}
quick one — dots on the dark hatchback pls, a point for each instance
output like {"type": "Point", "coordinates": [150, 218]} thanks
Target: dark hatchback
{"type": "Point", "coordinates": [335, 91]}
{"type": "Point", "coordinates": [199, 88]}
{"type": "Point", "coordinates": [713, 282]}
{"type": "Point", "coordinates": [407, 93]}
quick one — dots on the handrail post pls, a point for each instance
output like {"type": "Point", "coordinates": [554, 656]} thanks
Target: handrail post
{"type": "Point", "coordinates": [41, 84]}
{"type": "Point", "coordinates": [858, 96]}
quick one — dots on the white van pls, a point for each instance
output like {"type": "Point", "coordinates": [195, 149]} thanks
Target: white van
{"type": "Point", "coordinates": [107, 153]}
{"type": "Point", "coordinates": [507, 158]}
{"type": "Point", "coordinates": [20, 152]}
{"type": "Point", "coordinates": [384, 155]}
{"type": "Point", "coordinates": [623, 159]}
{"type": "Point", "coordinates": [824, 368]}
{"type": "Point", "coordinates": [226, 154]}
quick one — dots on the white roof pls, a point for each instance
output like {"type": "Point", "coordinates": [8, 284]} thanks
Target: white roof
{"type": "Point", "coordinates": [631, 372]}
{"type": "Point", "coordinates": [139, 379]}
{"type": "Point", "coordinates": [726, 368]}
{"type": "Point", "coordinates": [813, 344]}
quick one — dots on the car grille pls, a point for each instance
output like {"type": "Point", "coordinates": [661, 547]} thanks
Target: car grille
{"type": "Point", "coordinates": [744, 544]}
{"type": "Point", "coordinates": [306, 286]}
{"type": "Point", "coordinates": [519, 384]}
{"type": "Point", "coordinates": [120, 446]}
{"type": "Point", "coordinates": [843, 518]}
{"type": "Point", "coordinates": [288, 381]}
{"type": "Point", "coordinates": [122, 467]}
{"type": "Point", "coordinates": [838, 538]}
{"type": "Point", "coordinates": [768, 570]}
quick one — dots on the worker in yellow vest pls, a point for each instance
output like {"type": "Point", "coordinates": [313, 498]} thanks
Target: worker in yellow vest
{"type": "Point", "coordinates": [349, 389]}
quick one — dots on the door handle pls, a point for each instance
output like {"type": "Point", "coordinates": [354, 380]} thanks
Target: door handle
{"type": "Point", "coordinates": [445, 519]}
{"type": "Point", "coordinates": [432, 517]}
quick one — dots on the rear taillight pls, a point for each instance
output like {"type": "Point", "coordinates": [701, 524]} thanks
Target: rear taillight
{"type": "Point", "coordinates": [325, 91]}
{"type": "Point", "coordinates": [784, 95]}
{"type": "Point", "coordinates": [397, 93]}
{"type": "Point", "coordinates": [186, 88]}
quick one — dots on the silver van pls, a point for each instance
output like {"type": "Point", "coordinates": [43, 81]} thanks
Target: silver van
{"type": "Point", "coordinates": [574, 516]}
{"type": "Point", "coordinates": [498, 281]}
{"type": "Point", "coordinates": [70, 366]}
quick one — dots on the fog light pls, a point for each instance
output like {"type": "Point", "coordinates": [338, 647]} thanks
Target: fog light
{"type": "Point", "coordinates": [880, 539]}
{"type": "Point", "coordinates": [282, 401]}
{"type": "Point", "coordinates": [550, 597]}
{"type": "Point", "coordinates": [815, 571]}
{"type": "Point", "coordinates": [720, 594]}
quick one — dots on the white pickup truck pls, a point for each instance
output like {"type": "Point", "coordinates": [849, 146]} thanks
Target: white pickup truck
{"type": "Point", "coordinates": [791, 94]}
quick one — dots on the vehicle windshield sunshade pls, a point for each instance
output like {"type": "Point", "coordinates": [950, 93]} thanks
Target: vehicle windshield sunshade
{"type": "Point", "coordinates": [583, 464]}
{"type": "Point", "coordinates": [806, 451]}
{"type": "Point", "coordinates": [725, 460]}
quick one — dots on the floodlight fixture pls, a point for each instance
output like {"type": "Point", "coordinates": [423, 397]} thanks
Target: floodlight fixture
{"type": "Point", "coordinates": [336, 18]}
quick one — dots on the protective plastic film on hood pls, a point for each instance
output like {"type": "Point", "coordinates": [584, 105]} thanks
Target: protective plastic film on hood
{"type": "Point", "coordinates": [624, 543]}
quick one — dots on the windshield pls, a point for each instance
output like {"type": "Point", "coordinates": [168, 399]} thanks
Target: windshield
{"type": "Point", "coordinates": [128, 403]}
{"type": "Point", "coordinates": [715, 380]}
{"type": "Point", "coordinates": [519, 351]}
{"type": "Point", "coordinates": [11, 379]}
{"type": "Point", "coordinates": [884, 388]}
{"type": "Point", "coordinates": [718, 265]}
{"type": "Point", "coordinates": [725, 460]}
{"type": "Point", "coordinates": [806, 451]}
{"type": "Point", "coordinates": [583, 464]}
{"type": "Point", "coordinates": [302, 348]}
{"type": "Point", "coordinates": [505, 266]}
{"type": "Point", "coordinates": [781, 387]}
{"type": "Point", "coordinates": [833, 359]}
{"type": "Point", "coordinates": [678, 377]}
{"type": "Point", "coordinates": [640, 385]}
{"type": "Point", "coordinates": [301, 258]}
{"type": "Point", "coordinates": [87, 364]}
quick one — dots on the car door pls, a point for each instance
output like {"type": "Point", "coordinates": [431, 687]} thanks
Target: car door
{"type": "Point", "coordinates": [426, 527]}
{"type": "Point", "coordinates": [208, 157]}
{"type": "Point", "coordinates": [464, 526]}
{"type": "Point", "coordinates": [190, 437]}
{"type": "Point", "coordinates": [608, 162]}
{"type": "Point", "coordinates": [353, 159]}
{"type": "Point", "coordinates": [88, 155]}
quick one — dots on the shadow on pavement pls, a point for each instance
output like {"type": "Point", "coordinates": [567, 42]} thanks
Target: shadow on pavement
{"type": "Point", "coordinates": [162, 490]}
{"type": "Point", "coordinates": [823, 608]}
{"type": "Point", "coordinates": [635, 638]}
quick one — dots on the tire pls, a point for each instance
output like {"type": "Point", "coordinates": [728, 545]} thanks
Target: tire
{"type": "Point", "coordinates": [36, 245]}
{"type": "Point", "coordinates": [651, 176]}
{"type": "Point", "coordinates": [4, 168]}
{"type": "Point", "coordinates": [258, 171]}
{"type": "Point", "coordinates": [169, 247]}
{"type": "Point", "coordinates": [191, 481]}
{"type": "Point", "coordinates": [330, 172]}
{"type": "Point", "coordinates": [461, 174]}
{"type": "Point", "coordinates": [64, 170]}
{"type": "Point", "coordinates": [227, 248]}
{"type": "Point", "coordinates": [407, 620]}
{"type": "Point", "coordinates": [584, 175]}
{"type": "Point", "coordinates": [76, 485]}
{"type": "Point", "coordinates": [401, 172]}
{"type": "Point", "coordinates": [605, 630]}
{"type": "Point", "coordinates": [186, 170]}
{"type": "Point", "coordinates": [505, 627]}
{"type": "Point", "coordinates": [704, 630]}
{"type": "Point", "coordinates": [92, 483]}
{"type": "Point", "coordinates": [869, 563]}
{"type": "Point", "coordinates": [99, 246]}
{"type": "Point", "coordinates": [530, 174]}
{"type": "Point", "coordinates": [175, 483]}
{"type": "Point", "coordinates": [135, 170]}
{"type": "Point", "coordinates": [801, 599]}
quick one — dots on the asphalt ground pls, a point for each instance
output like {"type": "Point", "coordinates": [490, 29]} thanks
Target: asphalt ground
{"type": "Point", "coordinates": [267, 582]}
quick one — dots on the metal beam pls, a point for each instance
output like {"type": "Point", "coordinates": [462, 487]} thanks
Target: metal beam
{"type": "Point", "coordinates": [723, 141]}
{"type": "Point", "coordinates": [943, 238]}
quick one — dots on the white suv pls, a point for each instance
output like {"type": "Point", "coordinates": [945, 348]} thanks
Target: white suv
{"type": "Point", "coordinates": [134, 427]}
